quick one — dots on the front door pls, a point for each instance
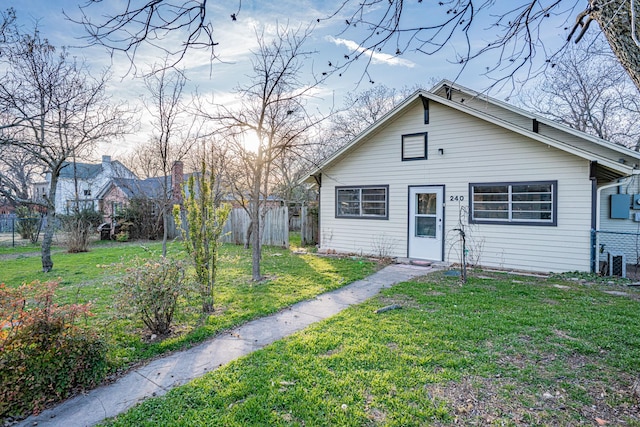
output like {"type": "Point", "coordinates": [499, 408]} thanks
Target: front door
{"type": "Point", "coordinates": [426, 222]}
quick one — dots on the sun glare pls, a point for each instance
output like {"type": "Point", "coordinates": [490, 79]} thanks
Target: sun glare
{"type": "Point", "coordinates": [250, 141]}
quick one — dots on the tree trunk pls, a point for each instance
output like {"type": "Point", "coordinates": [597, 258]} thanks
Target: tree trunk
{"type": "Point", "coordinates": [614, 18]}
{"type": "Point", "coordinates": [165, 206]}
{"type": "Point", "coordinates": [47, 262]}
{"type": "Point", "coordinates": [165, 223]}
{"type": "Point", "coordinates": [256, 249]}
{"type": "Point", "coordinates": [47, 239]}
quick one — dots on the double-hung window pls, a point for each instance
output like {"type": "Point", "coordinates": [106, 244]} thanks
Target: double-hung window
{"type": "Point", "coordinates": [363, 202]}
{"type": "Point", "coordinates": [525, 203]}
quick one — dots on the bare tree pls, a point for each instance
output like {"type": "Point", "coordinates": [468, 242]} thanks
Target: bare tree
{"type": "Point", "coordinates": [361, 110]}
{"type": "Point", "coordinates": [149, 22]}
{"type": "Point", "coordinates": [58, 112]}
{"type": "Point", "coordinates": [588, 90]}
{"type": "Point", "coordinates": [143, 161]}
{"type": "Point", "coordinates": [18, 171]}
{"type": "Point", "coordinates": [171, 140]}
{"type": "Point", "coordinates": [513, 34]}
{"type": "Point", "coordinates": [272, 110]}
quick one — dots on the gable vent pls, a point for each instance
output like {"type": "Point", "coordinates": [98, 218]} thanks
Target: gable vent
{"type": "Point", "coordinates": [414, 146]}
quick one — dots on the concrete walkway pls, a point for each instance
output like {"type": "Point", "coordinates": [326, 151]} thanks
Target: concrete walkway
{"type": "Point", "coordinates": [161, 375]}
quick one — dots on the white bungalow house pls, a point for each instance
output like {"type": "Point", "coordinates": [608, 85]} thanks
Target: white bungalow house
{"type": "Point", "coordinates": [528, 193]}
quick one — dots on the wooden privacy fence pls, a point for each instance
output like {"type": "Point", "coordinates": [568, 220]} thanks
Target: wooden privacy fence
{"type": "Point", "coordinates": [275, 227]}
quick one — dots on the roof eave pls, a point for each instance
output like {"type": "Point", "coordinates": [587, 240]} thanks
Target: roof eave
{"type": "Point", "coordinates": [615, 165]}
{"type": "Point", "coordinates": [364, 134]}
{"type": "Point", "coordinates": [544, 120]}
{"type": "Point", "coordinates": [612, 164]}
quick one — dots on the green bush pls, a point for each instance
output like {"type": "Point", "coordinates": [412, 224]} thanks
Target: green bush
{"type": "Point", "coordinates": [122, 236]}
{"type": "Point", "coordinates": [141, 219]}
{"type": "Point", "coordinates": [44, 356]}
{"type": "Point", "coordinates": [150, 290]}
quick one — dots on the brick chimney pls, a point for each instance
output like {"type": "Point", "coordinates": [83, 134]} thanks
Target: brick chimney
{"type": "Point", "coordinates": [177, 179]}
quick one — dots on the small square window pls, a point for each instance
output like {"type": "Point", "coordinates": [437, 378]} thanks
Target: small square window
{"type": "Point", "coordinates": [414, 146]}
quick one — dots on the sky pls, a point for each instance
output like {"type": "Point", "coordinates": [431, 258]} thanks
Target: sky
{"type": "Point", "coordinates": [237, 41]}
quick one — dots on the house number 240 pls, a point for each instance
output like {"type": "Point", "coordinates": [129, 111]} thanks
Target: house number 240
{"type": "Point", "coordinates": [456, 198]}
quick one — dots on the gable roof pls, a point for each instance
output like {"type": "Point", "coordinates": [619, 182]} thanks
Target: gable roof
{"type": "Point", "coordinates": [89, 170]}
{"type": "Point", "coordinates": [616, 160]}
{"type": "Point", "coordinates": [150, 188]}
{"type": "Point", "coordinates": [82, 170]}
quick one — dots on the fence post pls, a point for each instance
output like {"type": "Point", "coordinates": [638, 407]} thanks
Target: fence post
{"type": "Point", "coordinates": [13, 232]}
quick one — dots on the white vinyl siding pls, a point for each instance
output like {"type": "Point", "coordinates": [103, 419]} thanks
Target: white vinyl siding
{"type": "Point", "coordinates": [474, 151]}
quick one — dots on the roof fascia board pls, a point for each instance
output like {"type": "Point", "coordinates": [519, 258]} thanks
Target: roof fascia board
{"type": "Point", "coordinates": [370, 129]}
{"type": "Point", "coordinates": [563, 128]}
{"type": "Point", "coordinates": [619, 167]}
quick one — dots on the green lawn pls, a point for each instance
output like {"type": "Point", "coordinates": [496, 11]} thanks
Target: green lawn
{"type": "Point", "coordinates": [21, 246]}
{"type": "Point", "coordinates": [90, 277]}
{"type": "Point", "coordinates": [499, 350]}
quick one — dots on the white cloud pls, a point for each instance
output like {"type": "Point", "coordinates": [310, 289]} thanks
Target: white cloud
{"type": "Point", "coordinates": [376, 57]}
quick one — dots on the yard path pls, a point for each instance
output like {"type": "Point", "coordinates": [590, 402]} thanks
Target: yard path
{"type": "Point", "coordinates": [161, 375]}
{"type": "Point", "coordinates": [27, 254]}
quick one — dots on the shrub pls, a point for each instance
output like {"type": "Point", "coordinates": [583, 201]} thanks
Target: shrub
{"type": "Point", "coordinates": [44, 355]}
{"type": "Point", "coordinates": [80, 226]}
{"type": "Point", "coordinates": [122, 236]}
{"type": "Point", "coordinates": [202, 234]}
{"type": "Point", "coordinates": [150, 290]}
{"type": "Point", "coordinates": [141, 219]}
{"type": "Point", "coordinates": [29, 223]}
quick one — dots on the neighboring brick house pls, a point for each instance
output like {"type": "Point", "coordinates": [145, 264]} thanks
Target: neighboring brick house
{"type": "Point", "coordinates": [118, 192]}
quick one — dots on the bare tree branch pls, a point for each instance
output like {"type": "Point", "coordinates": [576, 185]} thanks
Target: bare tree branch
{"type": "Point", "coordinates": [515, 32]}
{"type": "Point", "coordinates": [149, 23]}
{"type": "Point", "coordinates": [589, 90]}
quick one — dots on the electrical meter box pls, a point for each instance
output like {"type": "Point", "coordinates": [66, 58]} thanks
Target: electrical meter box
{"type": "Point", "coordinates": [636, 201]}
{"type": "Point", "coordinates": [620, 204]}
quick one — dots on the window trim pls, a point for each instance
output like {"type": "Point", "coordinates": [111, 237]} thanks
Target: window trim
{"type": "Point", "coordinates": [554, 204]}
{"type": "Point", "coordinates": [360, 216]}
{"type": "Point", "coordinates": [408, 159]}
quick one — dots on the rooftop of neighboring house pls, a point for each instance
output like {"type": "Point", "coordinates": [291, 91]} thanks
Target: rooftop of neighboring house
{"type": "Point", "coordinates": [90, 170]}
{"type": "Point", "coordinates": [148, 188]}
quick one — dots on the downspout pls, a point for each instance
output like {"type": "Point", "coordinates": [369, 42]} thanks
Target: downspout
{"type": "Point", "coordinates": [318, 179]}
{"type": "Point", "coordinates": [595, 241]}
